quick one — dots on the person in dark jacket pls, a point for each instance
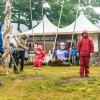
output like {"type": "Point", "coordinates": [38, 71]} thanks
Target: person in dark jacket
{"type": "Point", "coordinates": [21, 47]}
{"type": "Point", "coordinates": [1, 48]}
{"type": "Point", "coordinates": [85, 50]}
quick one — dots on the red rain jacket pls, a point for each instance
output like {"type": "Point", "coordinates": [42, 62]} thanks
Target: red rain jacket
{"type": "Point", "coordinates": [85, 46]}
{"type": "Point", "coordinates": [41, 55]}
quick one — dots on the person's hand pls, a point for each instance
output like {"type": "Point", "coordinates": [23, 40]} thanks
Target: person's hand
{"type": "Point", "coordinates": [26, 49]}
{"type": "Point", "coordinates": [53, 48]}
{"type": "Point", "coordinates": [3, 57]}
{"type": "Point", "coordinates": [91, 54]}
{"type": "Point", "coordinates": [35, 50]}
{"type": "Point", "coordinates": [77, 54]}
{"type": "Point", "coordinates": [45, 51]}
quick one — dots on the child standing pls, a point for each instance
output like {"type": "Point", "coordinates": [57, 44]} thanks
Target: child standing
{"type": "Point", "coordinates": [85, 50]}
{"type": "Point", "coordinates": [40, 55]}
{"type": "Point", "coordinates": [60, 55]}
{"type": "Point", "coordinates": [74, 54]}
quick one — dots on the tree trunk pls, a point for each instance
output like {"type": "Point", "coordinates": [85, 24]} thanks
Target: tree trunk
{"type": "Point", "coordinates": [6, 37]}
{"type": "Point", "coordinates": [18, 27]}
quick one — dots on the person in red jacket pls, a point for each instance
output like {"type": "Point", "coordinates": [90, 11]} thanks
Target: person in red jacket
{"type": "Point", "coordinates": [40, 55]}
{"type": "Point", "coordinates": [85, 50]}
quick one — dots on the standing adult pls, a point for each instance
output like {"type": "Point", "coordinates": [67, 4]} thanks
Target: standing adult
{"type": "Point", "coordinates": [1, 48]}
{"type": "Point", "coordinates": [85, 50]}
{"type": "Point", "coordinates": [21, 47]}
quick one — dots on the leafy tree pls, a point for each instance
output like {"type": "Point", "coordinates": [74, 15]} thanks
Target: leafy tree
{"type": "Point", "coordinates": [21, 11]}
{"type": "Point", "coordinates": [2, 9]}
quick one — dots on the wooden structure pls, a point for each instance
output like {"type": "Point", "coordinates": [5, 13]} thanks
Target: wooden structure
{"type": "Point", "coordinates": [6, 38]}
{"type": "Point", "coordinates": [49, 41]}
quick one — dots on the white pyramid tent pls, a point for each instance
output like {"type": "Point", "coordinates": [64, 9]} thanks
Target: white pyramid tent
{"type": "Point", "coordinates": [13, 32]}
{"type": "Point", "coordinates": [82, 23]}
{"type": "Point", "coordinates": [48, 27]}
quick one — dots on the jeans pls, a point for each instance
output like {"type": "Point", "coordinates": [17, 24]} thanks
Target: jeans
{"type": "Point", "coordinates": [21, 55]}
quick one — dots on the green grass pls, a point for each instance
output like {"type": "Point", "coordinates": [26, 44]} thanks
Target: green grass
{"type": "Point", "coordinates": [51, 83]}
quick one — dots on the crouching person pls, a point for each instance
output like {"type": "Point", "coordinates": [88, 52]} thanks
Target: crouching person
{"type": "Point", "coordinates": [61, 55]}
{"type": "Point", "coordinates": [40, 55]}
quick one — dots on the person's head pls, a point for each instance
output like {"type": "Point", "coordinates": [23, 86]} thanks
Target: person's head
{"type": "Point", "coordinates": [24, 36]}
{"type": "Point", "coordinates": [62, 46]}
{"type": "Point", "coordinates": [85, 34]}
{"type": "Point", "coordinates": [39, 48]}
{"type": "Point", "coordinates": [12, 45]}
{"type": "Point", "coordinates": [73, 47]}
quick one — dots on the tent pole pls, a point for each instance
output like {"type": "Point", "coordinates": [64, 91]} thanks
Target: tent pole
{"type": "Point", "coordinates": [73, 32]}
{"type": "Point", "coordinates": [43, 24]}
{"type": "Point", "coordinates": [30, 2]}
{"type": "Point", "coordinates": [59, 24]}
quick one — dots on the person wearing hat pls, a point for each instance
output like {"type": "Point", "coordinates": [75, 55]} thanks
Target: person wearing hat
{"type": "Point", "coordinates": [85, 50]}
{"type": "Point", "coordinates": [21, 47]}
{"type": "Point", "coordinates": [61, 54]}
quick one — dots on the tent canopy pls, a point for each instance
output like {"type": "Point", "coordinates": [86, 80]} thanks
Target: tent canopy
{"type": "Point", "coordinates": [82, 23]}
{"type": "Point", "coordinates": [48, 27]}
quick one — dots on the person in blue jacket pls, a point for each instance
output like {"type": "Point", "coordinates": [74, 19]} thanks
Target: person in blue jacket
{"type": "Point", "coordinates": [60, 55]}
{"type": "Point", "coordinates": [1, 48]}
{"type": "Point", "coordinates": [74, 54]}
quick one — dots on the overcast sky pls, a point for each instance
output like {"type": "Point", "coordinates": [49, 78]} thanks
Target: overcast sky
{"type": "Point", "coordinates": [97, 9]}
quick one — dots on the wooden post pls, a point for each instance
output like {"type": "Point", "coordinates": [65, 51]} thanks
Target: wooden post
{"type": "Point", "coordinates": [6, 37]}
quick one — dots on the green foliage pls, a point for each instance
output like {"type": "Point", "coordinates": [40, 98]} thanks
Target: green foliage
{"type": "Point", "coordinates": [68, 15]}
{"type": "Point", "coordinates": [21, 11]}
{"type": "Point", "coordinates": [2, 7]}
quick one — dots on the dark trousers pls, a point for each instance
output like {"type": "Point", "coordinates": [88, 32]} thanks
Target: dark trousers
{"type": "Point", "coordinates": [10, 62]}
{"type": "Point", "coordinates": [21, 55]}
{"type": "Point", "coordinates": [84, 65]}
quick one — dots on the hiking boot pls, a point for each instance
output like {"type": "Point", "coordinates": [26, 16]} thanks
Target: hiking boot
{"type": "Point", "coordinates": [21, 71]}
{"type": "Point", "coordinates": [1, 83]}
{"type": "Point", "coordinates": [86, 75]}
{"type": "Point", "coordinates": [39, 68]}
{"type": "Point", "coordinates": [35, 68]}
{"type": "Point", "coordinates": [56, 58]}
{"type": "Point", "coordinates": [16, 72]}
{"type": "Point", "coordinates": [81, 76]}
{"type": "Point", "coordinates": [50, 63]}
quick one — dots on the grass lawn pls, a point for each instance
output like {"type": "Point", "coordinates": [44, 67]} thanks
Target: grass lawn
{"type": "Point", "coordinates": [51, 83]}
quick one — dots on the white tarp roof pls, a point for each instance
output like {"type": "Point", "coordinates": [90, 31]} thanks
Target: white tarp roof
{"type": "Point", "coordinates": [48, 27]}
{"type": "Point", "coordinates": [13, 32]}
{"type": "Point", "coordinates": [82, 23]}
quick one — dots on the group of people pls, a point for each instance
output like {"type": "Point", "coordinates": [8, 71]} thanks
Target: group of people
{"type": "Point", "coordinates": [84, 51]}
